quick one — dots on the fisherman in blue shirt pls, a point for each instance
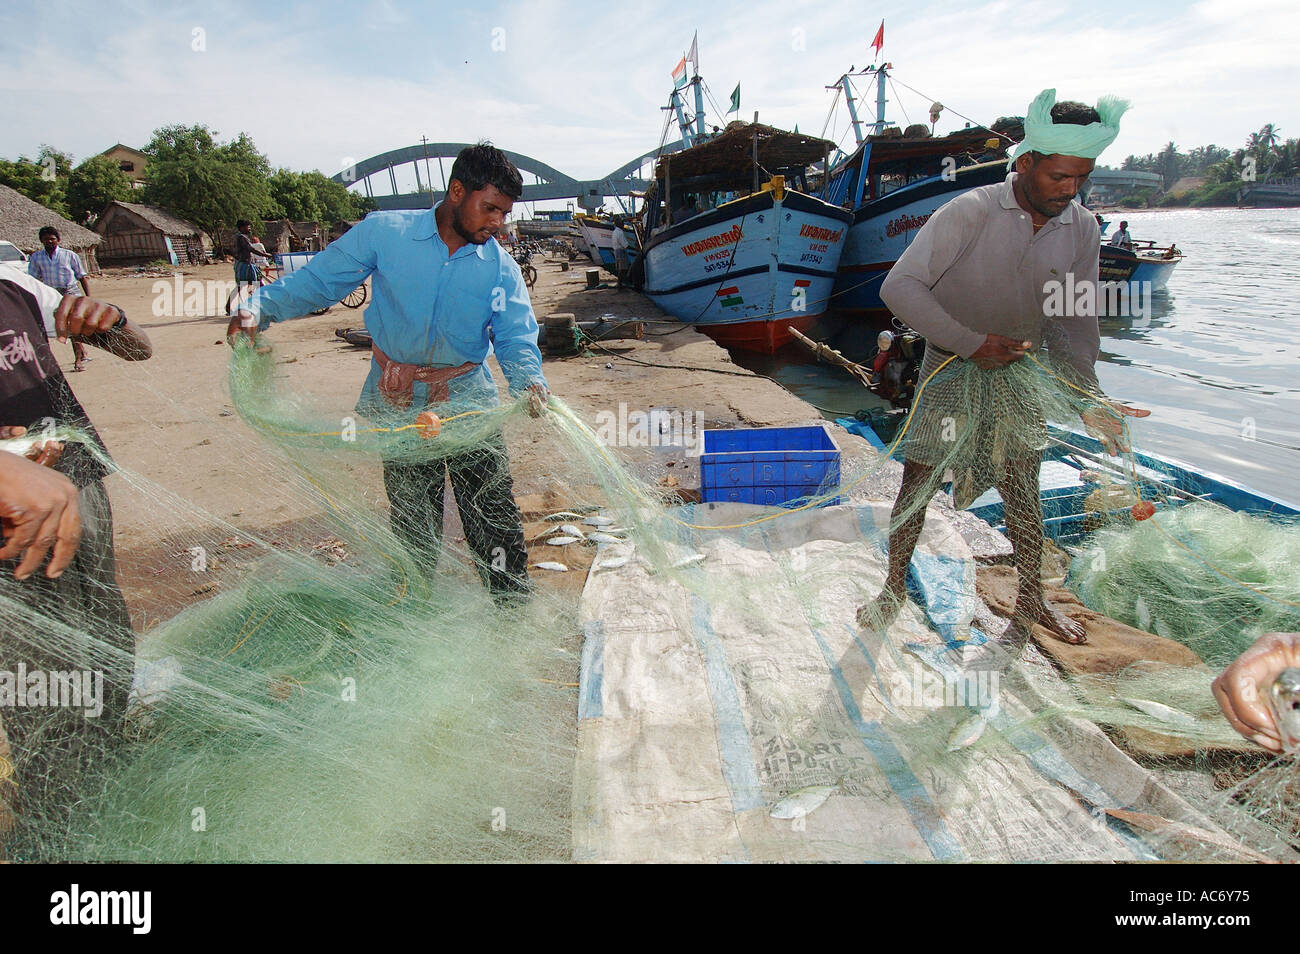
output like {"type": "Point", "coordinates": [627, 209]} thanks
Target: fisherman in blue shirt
{"type": "Point", "coordinates": [445, 296]}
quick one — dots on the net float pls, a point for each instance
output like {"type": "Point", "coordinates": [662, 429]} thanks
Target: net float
{"type": "Point", "coordinates": [428, 424]}
{"type": "Point", "coordinates": [1142, 509]}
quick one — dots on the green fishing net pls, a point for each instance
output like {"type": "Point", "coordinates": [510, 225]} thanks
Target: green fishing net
{"type": "Point", "coordinates": [305, 690]}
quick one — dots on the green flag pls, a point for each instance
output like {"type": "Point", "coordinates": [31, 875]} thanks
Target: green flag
{"type": "Point", "coordinates": [735, 99]}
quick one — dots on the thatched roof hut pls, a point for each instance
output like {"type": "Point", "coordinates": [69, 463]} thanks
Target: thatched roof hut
{"type": "Point", "coordinates": [21, 221]}
{"type": "Point", "coordinates": [135, 233]}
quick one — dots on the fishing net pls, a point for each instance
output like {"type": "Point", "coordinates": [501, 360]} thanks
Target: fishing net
{"type": "Point", "coordinates": [308, 684]}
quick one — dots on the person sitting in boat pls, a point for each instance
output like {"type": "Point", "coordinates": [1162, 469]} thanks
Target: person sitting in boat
{"type": "Point", "coordinates": [1122, 238]}
{"type": "Point", "coordinates": [967, 284]}
{"type": "Point", "coordinates": [689, 209]}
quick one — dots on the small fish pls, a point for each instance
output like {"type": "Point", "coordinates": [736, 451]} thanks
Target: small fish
{"type": "Point", "coordinates": [600, 520]}
{"type": "Point", "coordinates": [561, 541]}
{"type": "Point", "coordinates": [1158, 710]}
{"type": "Point", "coordinates": [613, 563]}
{"type": "Point", "coordinates": [551, 565]}
{"type": "Point", "coordinates": [21, 445]}
{"type": "Point", "coordinates": [597, 536]}
{"type": "Point", "coordinates": [572, 531]}
{"type": "Point", "coordinates": [804, 802]}
{"type": "Point", "coordinates": [1284, 701]}
{"type": "Point", "coordinates": [968, 732]}
{"type": "Point", "coordinates": [1142, 614]}
{"type": "Point", "coordinates": [562, 515]}
{"type": "Point", "coordinates": [682, 563]}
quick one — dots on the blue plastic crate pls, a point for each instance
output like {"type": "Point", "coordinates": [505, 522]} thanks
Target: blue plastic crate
{"type": "Point", "coordinates": [768, 465]}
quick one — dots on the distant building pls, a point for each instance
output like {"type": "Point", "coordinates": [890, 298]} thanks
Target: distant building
{"type": "Point", "coordinates": [21, 221]}
{"type": "Point", "coordinates": [278, 235]}
{"type": "Point", "coordinates": [135, 234]}
{"type": "Point", "coordinates": [308, 237]}
{"type": "Point", "coordinates": [131, 161]}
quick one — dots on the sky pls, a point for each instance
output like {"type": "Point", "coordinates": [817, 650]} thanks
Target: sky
{"type": "Point", "coordinates": [580, 86]}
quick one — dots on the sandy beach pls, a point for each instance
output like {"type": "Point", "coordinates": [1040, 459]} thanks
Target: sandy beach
{"type": "Point", "coordinates": [171, 419]}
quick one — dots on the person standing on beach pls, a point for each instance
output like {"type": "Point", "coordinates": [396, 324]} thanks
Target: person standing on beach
{"type": "Point", "coordinates": [972, 282]}
{"type": "Point", "coordinates": [62, 270]}
{"type": "Point", "coordinates": [446, 295]}
{"type": "Point", "coordinates": [246, 270]}
{"type": "Point", "coordinates": [620, 251]}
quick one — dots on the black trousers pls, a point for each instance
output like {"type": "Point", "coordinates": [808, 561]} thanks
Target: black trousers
{"type": "Point", "coordinates": [494, 530]}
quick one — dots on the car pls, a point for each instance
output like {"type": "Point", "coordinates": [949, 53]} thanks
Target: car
{"type": "Point", "coordinates": [12, 254]}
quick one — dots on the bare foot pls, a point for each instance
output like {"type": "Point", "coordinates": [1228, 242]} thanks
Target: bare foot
{"type": "Point", "coordinates": [882, 611]}
{"type": "Point", "coordinates": [1053, 620]}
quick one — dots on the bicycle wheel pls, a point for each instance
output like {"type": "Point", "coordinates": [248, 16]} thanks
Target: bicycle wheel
{"type": "Point", "coordinates": [530, 275]}
{"type": "Point", "coordinates": [357, 298]}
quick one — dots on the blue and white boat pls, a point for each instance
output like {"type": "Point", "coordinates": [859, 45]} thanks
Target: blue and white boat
{"type": "Point", "coordinates": [734, 243]}
{"type": "Point", "coordinates": [598, 234]}
{"type": "Point", "coordinates": [1145, 267]}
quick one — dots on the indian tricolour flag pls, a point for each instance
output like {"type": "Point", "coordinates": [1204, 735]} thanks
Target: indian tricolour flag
{"type": "Point", "coordinates": [679, 74]}
{"type": "Point", "coordinates": [730, 296]}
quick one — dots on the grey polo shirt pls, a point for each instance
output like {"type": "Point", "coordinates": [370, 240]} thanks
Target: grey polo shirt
{"type": "Point", "coordinates": [977, 268]}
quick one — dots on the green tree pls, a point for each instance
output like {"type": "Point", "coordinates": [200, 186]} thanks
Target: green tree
{"type": "Point", "coordinates": [294, 197]}
{"type": "Point", "coordinates": [42, 179]}
{"type": "Point", "coordinates": [336, 203]}
{"type": "Point", "coordinates": [210, 184]}
{"type": "Point", "coordinates": [92, 185]}
{"type": "Point", "coordinates": [56, 160]}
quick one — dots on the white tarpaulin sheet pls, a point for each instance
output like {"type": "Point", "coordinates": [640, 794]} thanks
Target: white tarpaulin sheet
{"type": "Point", "coordinates": [705, 709]}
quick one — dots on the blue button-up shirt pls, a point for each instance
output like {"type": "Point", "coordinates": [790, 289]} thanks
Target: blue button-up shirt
{"type": "Point", "coordinates": [428, 307]}
{"type": "Point", "coordinates": [60, 270]}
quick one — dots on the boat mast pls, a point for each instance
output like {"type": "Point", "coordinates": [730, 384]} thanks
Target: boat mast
{"type": "Point", "coordinates": [847, 88]}
{"type": "Point", "coordinates": [699, 105]}
{"type": "Point", "coordinates": [881, 73]}
{"type": "Point", "coordinates": [675, 104]}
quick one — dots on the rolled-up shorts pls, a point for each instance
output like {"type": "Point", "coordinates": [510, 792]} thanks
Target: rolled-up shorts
{"type": "Point", "coordinates": [973, 422]}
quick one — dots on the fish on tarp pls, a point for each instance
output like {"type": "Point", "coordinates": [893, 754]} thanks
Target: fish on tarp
{"type": "Point", "coordinates": [1284, 701]}
{"type": "Point", "coordinates": [599, 520]}
{"type": "Point", "coordinates": [802, 803]}
{"type": "Point", "coordinates": [967, 732]}
{"type": "Point", "coordinates": [597, 536]}
{"type": "Point", "coordinates": [562, 515]}
{"type": "Point", "coordinates": [613, 563]}
{"type": "Point", "coordinates": [684, 562]}
{"type": "Point", "coordinates": [561, 541]}
{"type": "Point", "coordinates": [551, 565]}
{"type": "Point", "coordinates": [1158, 710]}
{"type": "Point", "coordinates": [572, 531]}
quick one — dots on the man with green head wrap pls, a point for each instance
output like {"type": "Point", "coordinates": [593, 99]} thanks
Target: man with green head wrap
{"type": "Point", "coordinates": [975, 282]}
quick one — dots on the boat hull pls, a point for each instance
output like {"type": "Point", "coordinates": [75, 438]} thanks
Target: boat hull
{"type": "Point", "coordinates": [599, 237]}
{"type": "Point", "coordinates": [1155, 272]}
{"type": "Point", "coordinates": [882, 230]}
{"type": "Point", "coordinates": [762, 260]}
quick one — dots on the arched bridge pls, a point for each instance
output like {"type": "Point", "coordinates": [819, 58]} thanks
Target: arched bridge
{"type": "Point", "coordinates": [431, 164]}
